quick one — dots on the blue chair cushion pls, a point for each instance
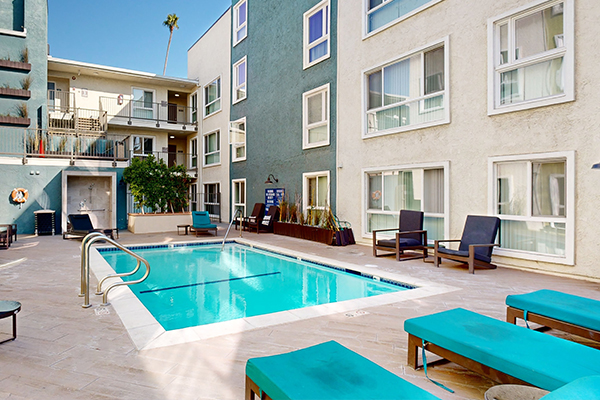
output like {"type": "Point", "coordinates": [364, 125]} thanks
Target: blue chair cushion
{"type": "Point", "coordinates": [480, 229]}
{"type": "Point", "coordinates": [464, 253]}
{"type": "Point", "coordinates": [404, 242]}
{"type": "Point", "coordinates": [329, 371]}
{"type": "Point", "coordinates": [564, 307]}
{"type": "Point", "coordinates": [201, 220]}
{"type": "Point", "coordinates": [542, 360]}
{"type": "Point", "coordinates": [587, 388]}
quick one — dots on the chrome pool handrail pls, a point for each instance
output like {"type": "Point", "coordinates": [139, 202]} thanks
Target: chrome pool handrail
{"type": "Point", "coordinates": [239, 210]}
{"type": "Point", "coordinates": [85, 268]}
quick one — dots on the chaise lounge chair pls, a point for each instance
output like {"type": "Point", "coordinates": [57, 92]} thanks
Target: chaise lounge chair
{"type": "Point", "coordinates": [201, 223]}
{"type": "Point", "coordinates": [501, 351]}
{"type": "Point", "coordinates": [327, 371]}
{"type": "Point", "coordinates": [410, 236]}
{"type": "Point", "coordinates": [587, 388]}
{"type": "Point", "coordinates": [253, 221]}
{"type": "Point", "coordinates": [566, 312]}
{"type": "Point", "coordinates": [80, 225]}
{"type": "Point", "coordinates": [476, 244]}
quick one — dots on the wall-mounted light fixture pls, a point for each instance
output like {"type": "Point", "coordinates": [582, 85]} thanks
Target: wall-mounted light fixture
{"type": "Point", "coordinates": [269, 181]}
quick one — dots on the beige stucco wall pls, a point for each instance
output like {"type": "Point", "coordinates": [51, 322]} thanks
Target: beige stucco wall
{"type": "Point", "coordinates": [472, 136]}
{"type": "Point", "coordinates": [208, 59]}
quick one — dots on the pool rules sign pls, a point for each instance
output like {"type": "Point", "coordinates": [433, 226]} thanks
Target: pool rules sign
{"type": "Point", "coordinates": [273, 196]}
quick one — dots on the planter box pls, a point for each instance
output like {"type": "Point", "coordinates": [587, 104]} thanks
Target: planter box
{"type": "Point", "coordinates": [304, 232]}
{"type": "Point", "coordinates": [157, 223]}
{"type": "Point", "coordinates": [20, 93]}
{"type": "Point", "coordinates": [20, 66]}
{"type": "Point", "coordinates": [18, 121]}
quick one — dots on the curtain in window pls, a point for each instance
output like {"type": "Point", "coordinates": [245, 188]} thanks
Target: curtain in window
{"type": "Point", "coordinates": [512, 188]}
{"type": "Point", "coordinates": [316, 113]}
{"type": "Point", "coordinates": [433, 200]}
{"type": "Point", "coordinates": [548, 189]}
{"type": "Point", "coordinates": [241, 81]}
{"type": "Point", "coordinates": [391, 11]}
{"type": "Point", "coordinates": [375, 192]}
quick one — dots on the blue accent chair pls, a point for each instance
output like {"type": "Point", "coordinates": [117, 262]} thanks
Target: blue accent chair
{"type": "Point", "coordinates": [201, 223]}
{"type": "Point", "coordinates": [566, 312]}
{"type": "Point", "coordinates": [476, 244]}
{"type": "Point", "coordinates": [409, 236]}
{"type": "Point", "coordinates": [501, 351]}
{"type": "Point", "coordinates": [327, 371]}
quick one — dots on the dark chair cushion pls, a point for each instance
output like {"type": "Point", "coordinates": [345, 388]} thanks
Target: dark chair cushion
{"type": "Point", "coordinates": [465, 253]}
{"type": "Point", "coordinates": [403, 243]}
{"type": "Point", "coordinates": [411, 221]}
{"type": "Point", "coordinates": [480, 230]}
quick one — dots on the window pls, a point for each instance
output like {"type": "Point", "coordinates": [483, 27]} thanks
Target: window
{"type": "Point", "coordinates": [193, 197]}
{"type": "Point", "coordinates": [237, 138]}
{"type": "Point", "coordinates": [212, 148]}
{"type": "Point", "coordinates": [315, 118]}
{"type": "Point", "coordinates": [238, 188]}
{"type": "Point", "coordinates": [419, 188]}
{"type": "Point", "coordinates": [240, 21]}
{"type": "Point", "coordinates": [212, 97]}
{"type": "Point", "coordinates": [142, 146]}
{"type": "Point", "coordinates": [194, 153]}
{"type": "Point", "coordinates": [143, 104]}
{"type": "Point", "coordinates": [194, 107]}
{"type": "Point", "coordinates": [316, 190]}
{"type": "Point", "coordinates": [533, 196]}
{"type": "Point", "coordinates": [408, 93]}
{"type": "Point", "coordinates": [239, 80]}
{"type": "Point", "coordinates": [212, 199]}
{"type": "Point", "coordinates": [383, 13]}
{"type": "Point", "coordinates": [531, 57]}
{"type": "Point", "coordinates": [316, 34]}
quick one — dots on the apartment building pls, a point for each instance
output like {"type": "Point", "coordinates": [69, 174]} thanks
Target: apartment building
{"type": "Point", "coordinates": [481, 108]}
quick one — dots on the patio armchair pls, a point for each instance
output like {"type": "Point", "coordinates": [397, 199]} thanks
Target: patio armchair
{"type": "Point", "coordinates": [80, 225]}
{"type": "Point", "coordinates": [409, 236]}
{"type": "Point", "coordinates": [201, 223]}
{"type": "Point", "coordinates": [476, 245]}
{"type": "Point", "coordinates": [5, 235]}
{"type": "Point", "coordinates": [266, 225]}
{"type": "Point", "coordinates": [251, 222]}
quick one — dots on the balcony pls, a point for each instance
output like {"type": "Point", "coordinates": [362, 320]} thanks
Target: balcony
{"type": "Point", "coordinates": [142, 113]}
{"type": "Point", "coordinates": [64, 115]}
{"type": "Point", "coordinates": [37, 143]}
{"type": "Point", "coordinates": [190, 161]}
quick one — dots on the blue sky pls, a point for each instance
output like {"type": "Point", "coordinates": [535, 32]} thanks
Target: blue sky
{"type": "Point", "coordinates": [129, 33]}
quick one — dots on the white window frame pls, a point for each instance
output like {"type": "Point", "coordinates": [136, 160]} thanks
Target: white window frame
{"type": "Point", "coordinates": [204, 192]}
{"type": "Point", "coordinates": [424, 166]}
{"type": "Point", "coordinates": [194, 107]}
{"type": "Point", "coordinates": [133, 107]}
{"type": "Point", "coordinates": [233, 192]}
{"type": "Point", "coordinates": [236, 145]}
{"type": "Point", "coordinates": [366, 13]}
{"type": "Point", "coordinates": [305, 194]}
{"type": "Point", "coordinates": [569, 220]}
{"type": "Point", "coordinates": [204, 149]}
{"type": "Point", "coordinates": [193, 145]}
{"type": "Point", "coordinates": [236, 84]}
{"type": "Point", "coordinates": [325, 37]}
{"type": "Point", "coordinates": [144, 137]}
{"type": "Point", "coordinates": [495, 69]}
{"type": "Point", "coordinates": [325, 108]}
{"type": "Point", "coordinates": [236, 27]}
{"type": "Point", "coordinates": [445, 42]}
{"type": "Point", "coordinates": [206, 105]}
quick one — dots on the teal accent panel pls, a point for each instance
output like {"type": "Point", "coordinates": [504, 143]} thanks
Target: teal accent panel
{"type": "Point", "coordinates": [276, 81]}
{"type": "Point", "coordinates": [29, 17]}
{"type": "Point", "coordinates": [45, 191]}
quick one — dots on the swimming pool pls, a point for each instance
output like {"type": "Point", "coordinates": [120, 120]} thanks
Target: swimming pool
{"type": "Point", "coordinates": [197, 284]}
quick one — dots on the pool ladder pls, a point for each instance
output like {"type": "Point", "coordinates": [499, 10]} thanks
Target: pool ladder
{"type": "Point", "coordinates": [239, 210]}
{"type": "Point", "coordinates": [85, 269]}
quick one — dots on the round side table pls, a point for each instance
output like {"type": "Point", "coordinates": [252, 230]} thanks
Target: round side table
{"type": "Point", "coordinates": [514, 392]}
{"type": "Point", "coordinates": [8, 308]}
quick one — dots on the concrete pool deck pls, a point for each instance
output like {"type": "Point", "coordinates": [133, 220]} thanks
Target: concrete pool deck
{"type": "Point", "coordinates": [66, 352]}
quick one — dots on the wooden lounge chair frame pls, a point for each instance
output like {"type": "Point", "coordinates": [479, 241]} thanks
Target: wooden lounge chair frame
{"type": "Point", "coordinates": [253, 390]}
{"type": "Point", "coordinates": [414, 343]}
{"type": "Point", "coordinates": [274, 215]}
{"type": "Point", "coordinates": [399, 250]}
{"type": "Point", "coordinates": [255, 219]}
{"type": "Point", "coordinates": [513, 313]}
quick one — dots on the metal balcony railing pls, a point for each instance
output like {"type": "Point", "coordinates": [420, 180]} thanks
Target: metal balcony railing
{"type": "Point", "coordinates": [40, 143]}
{"type": "Point", "coordinates": [136, 111]}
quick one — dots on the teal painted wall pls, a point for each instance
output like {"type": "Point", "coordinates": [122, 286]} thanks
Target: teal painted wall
{"type": "Point", "coordinates": [45, 188]}
{"type": "Point", "coordinates": [33, 15]}
{"type": "Point", "coordinates": [273, 108]}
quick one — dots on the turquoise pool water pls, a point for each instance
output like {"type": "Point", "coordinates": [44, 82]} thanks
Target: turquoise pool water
{"type": "Point", "coordinates": [192, 285]}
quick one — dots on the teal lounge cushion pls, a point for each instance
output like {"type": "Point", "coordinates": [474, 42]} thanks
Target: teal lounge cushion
{"type": "Point", "coordinates": [587, 388]}
{"type": "Point", "coordinates": [542, 360]}
{"type": "Point", "coordinates": [575, 310]}
{"type": "Point", "coordinates": [329, 371]}
{"type": "Point", "coordinates": [201, 220]}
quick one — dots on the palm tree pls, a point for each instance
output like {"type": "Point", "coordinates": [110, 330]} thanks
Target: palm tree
{"type": "Point", "coordinates": [171, 22]}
